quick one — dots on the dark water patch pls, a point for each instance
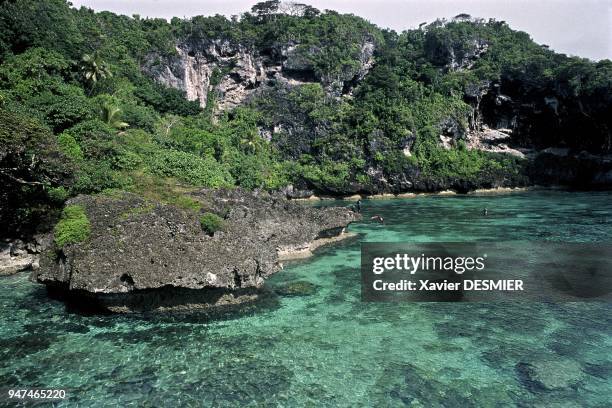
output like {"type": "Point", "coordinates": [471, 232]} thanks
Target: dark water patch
{"type": "Point", "coordinates": [102, 322]}
{"type": "Point", "coordinates": [408, 385]}
{"type": "Point", "coordinates": [575, 342]}
{"type": "Point", "coordinates": [336, 298]}
{"type": "Point", "coordinates": [505, 354]}
{"type": "Point", "coordinates": [26, 376]}
{"type": "Point", "coordinates": [368, 313]}
{"type": "Point", "coordinates": [600, 370]}
{"type": "Point", "coordinates": [173, 335]}
{"type": "Point", "coordinates": [296, 288]}
{"type": "Point", "coordinates": [67, 361]}
{"type": "Point", "coordinates": [346, 282]}
{"type": "Point", "coordinates": [24, 345]}
{"type": "Point", "coordinates": [248, 382]}
{"type": "Point", "coordinates": [442, 347]}
{"type": "Point", "coordinates": [55, 328]}
{"type": "Point", "coordinates": [136, 388]}
{"type": "Point", "coordinates": [74, 328]}
{"type": "Point", "coordinates": [460, 328]}
{"type": "Point", "coordinates": [594, 316]}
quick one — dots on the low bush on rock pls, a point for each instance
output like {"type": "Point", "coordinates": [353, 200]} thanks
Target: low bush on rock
{"type": "Point", "coordinates": [211, 223]}
{"type": "Point", "coordinates": [73, 227]}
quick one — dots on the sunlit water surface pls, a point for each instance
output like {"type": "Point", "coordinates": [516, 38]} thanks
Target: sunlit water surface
{"type": "Point", "coordinates": [323, 346]}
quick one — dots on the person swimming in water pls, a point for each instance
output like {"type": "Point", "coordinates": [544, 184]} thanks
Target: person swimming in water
{"type": "Point", "coordinates": [485, 212]}
{"type": "Point", "coordinates": [378, 218]}
{"type": "Point", "coordinates": [358, 206]}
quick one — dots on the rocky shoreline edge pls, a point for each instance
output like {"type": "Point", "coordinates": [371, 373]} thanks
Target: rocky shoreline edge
{"type": "Point", "coordinates": [390, 196]}
{"type": "Point", "coordinates": [18, 255]}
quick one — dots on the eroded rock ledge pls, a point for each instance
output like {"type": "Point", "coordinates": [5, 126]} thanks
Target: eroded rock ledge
{"type": "Point", "coordinates": [19, 255]}
{"type": "Point", "coordinates": [140, 254]}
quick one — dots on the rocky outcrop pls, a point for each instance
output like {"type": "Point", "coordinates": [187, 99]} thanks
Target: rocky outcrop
{"type": "Point", "coordinates": [18, 255]}
{"type": "Point", "coordinates": [452, 55]}
{"type": "Point", "coordinates": [542, 128]}
{"type": "Point", "coordinates": [232, 73]}
{"type": "Point", "coordinates": [209, 67]}
{"type": "Point", "coordinates": [540, 118]}
{"type": "Point", "coordinates": [578, 170]}
{"type": "Point", "coordinates": [141, 254]}
{"type": "Point", "coordinates": [495, 141]}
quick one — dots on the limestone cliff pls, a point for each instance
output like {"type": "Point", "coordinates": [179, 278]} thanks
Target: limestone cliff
{"type": "Point", "coordinates": [230, 72]}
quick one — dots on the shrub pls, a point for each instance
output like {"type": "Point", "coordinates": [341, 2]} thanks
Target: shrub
{"type": "Point", "coordinates": [327, 175]}
{"type": "Point", "coordinates": [127, 160]}
{"type": "Point", "coordinates": [211, 223]}
{"type": "Point", "coordinates": [138, 116]}
{"type": "Point", "coordinates": [165, 100]}
{"type": "Point", "coordinates": [91, 129]}
{"type": "Point", "coordinates": [63, 111]}
{"type": "Point", "coordinates": [185, 202]}
{"type": "Point", "coordinates": [69, 146]}
{"type": "Point", "coordinates": [73, 227]}
{"type": "Point", "coordinates": [96, 176]}
{"type": "Point", "coordinates": [58, 194]}
{"type": "Point", "coordinates": [196, 170]}
{"type": "Point", "coordinates": [96, 139]}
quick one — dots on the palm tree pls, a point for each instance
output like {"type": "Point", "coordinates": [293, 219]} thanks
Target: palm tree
{"type": "Point", "coordinates": [94, 68]}
{"type": "Point", "coordinates": [111, 115]}
{"type": "Point", "coordinates": [251, 142]}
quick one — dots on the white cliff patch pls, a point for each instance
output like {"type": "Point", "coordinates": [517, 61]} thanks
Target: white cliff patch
{"type": "Point", "coordinates": [196, 65]}
{"type": "Point", "coordinates": [197, 80]}
{"type": "Point", "coordinates": [493, 140]}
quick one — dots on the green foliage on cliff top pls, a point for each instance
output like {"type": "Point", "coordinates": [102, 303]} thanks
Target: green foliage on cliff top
{"type": "Point", "coordinates": [73, 226]}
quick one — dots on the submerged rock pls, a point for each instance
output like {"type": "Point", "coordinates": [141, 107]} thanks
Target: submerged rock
{"type": "Point", "coordinates": [298, 288]}
{"type": "Point", "coordinates": [550, 373]}
{"type": "Point", "coordinates": [143, 255]}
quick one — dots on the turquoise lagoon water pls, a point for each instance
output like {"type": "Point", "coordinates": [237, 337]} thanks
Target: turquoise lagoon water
{"type": "Point", "coordinates": [324, 347]}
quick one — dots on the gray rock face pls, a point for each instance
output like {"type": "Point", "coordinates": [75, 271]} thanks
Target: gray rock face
{"type": "Point", "coordinates": [452, 56]}
{"type": "Point", "coordinates": [293, 192]}
{"type": "Point", "coordinates": [198, 66]}
{"type": "Point", "coordinates": [17, 255]}
{"type": "Point", "coordinates": [234, 72]}
{"type": "Point", "coordinates": [137, 245]}
{"type": "Point", "coordinates": [14, 258]}
{"type": "Point", "coordinates": [466, 59]}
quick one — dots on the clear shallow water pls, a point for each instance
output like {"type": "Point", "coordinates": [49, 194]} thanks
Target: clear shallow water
{"type": "Point", "coordinates": [325, 347]}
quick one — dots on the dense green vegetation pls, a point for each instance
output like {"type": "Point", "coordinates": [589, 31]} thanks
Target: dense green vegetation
{"type": "Point", "coordinates": [78, 115]}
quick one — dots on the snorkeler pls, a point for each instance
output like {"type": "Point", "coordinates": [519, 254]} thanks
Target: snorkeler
{"type": "Point", "coordinates": [378, 218]}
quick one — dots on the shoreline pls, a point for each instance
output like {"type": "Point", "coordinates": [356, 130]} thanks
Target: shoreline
{"type": "Point", "coordinates": [390, 196]}
{"type": "Point", "coordinates": [307, 250]}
